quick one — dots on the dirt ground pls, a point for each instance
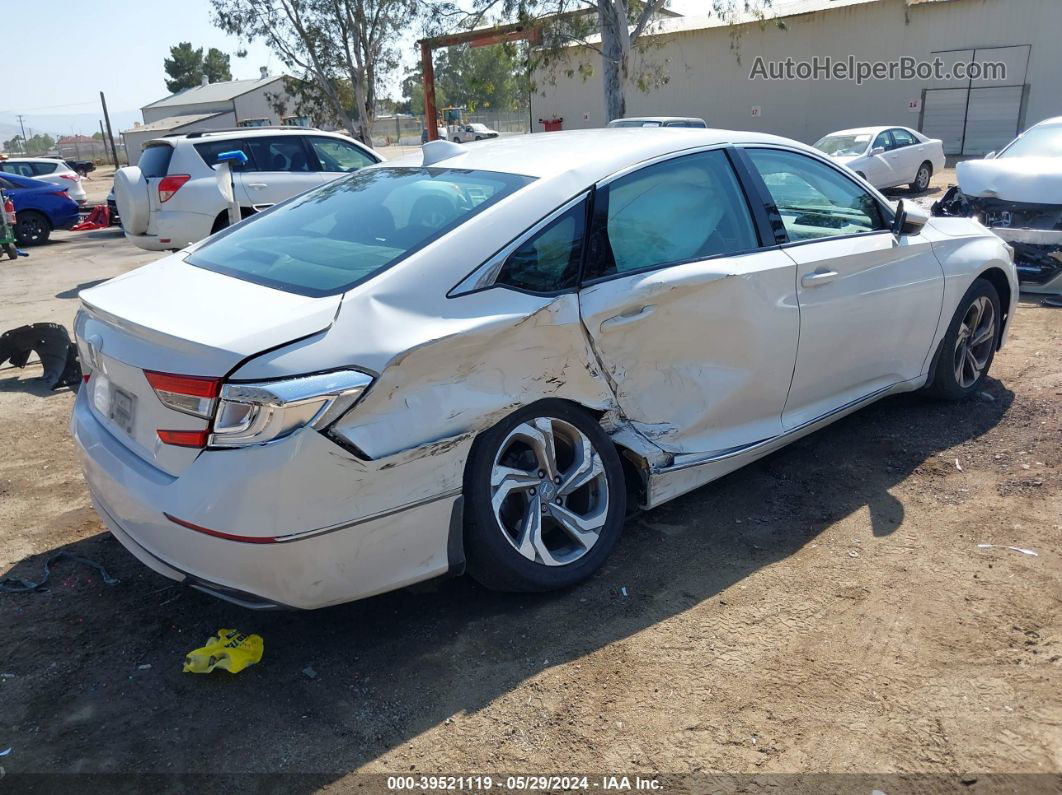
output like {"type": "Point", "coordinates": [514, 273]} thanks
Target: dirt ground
{"type": "Point", "coordinates": [830, 608]}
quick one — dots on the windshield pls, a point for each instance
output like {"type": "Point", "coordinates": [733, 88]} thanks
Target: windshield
{"type": "Point", "coordinates": [1037, 142]}
{"type": "Point", "coordinates": [844, 145]}
{"type": "Point", "coordinates": [479, 127]}
{"type": "Point", "coordinates": [634, 123]}
{"type": "Point", "coordinates": [328, 240]}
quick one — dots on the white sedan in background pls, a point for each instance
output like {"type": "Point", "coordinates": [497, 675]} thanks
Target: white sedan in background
{"type": "Point", "coordinates": [474, 354]}
{"type": "Point", "coordinates": [48, 169]}
{"type": "Point", "coordinates": [886, 156]}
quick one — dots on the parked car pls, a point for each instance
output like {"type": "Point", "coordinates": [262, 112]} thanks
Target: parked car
{"type": "Point", "coordinates": [472, 132]}
{"type": "Point", "coordinates": [81, 167]}
{"type": "Point", "coordinates": [112, 207]}
{"type": "Point", "coordinates": [440, 133]}
{"type": "Point", "coordinates": [1018, 195]}
{"type": "Point", "coordinates": [886, 156]}
{"type": "Point", "coordinates": [443, 360]}
{"type": "Point", "coordinates": [171, 198]}
{"type": "Point", "coordinates": [40, 207]}
{"type": "Point", "coordinates": [658, 121]}
{"type": "Point", "coordinates": [47, 169]}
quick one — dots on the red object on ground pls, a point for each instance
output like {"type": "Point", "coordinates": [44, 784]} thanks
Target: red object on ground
{"type": "Point", "coordinates": [99, 218]}
{"type": "Point", "coordinates": [551, 125]}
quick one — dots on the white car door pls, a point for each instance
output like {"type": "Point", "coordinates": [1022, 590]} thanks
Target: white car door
{"type": "Point", "coordinates": [878, 167]}
{"type": "Point", "coordinates": [280, 167]}
{"type": "Point", "coordinates": [906, 155]}
{"type": "Point", "coordinates": [869, 300]}
{"type": "Point", "coordinates": [691, 312]}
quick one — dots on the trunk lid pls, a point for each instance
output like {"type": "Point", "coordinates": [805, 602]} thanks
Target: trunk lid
{"type": "Point", "coordinates": [175, 318]}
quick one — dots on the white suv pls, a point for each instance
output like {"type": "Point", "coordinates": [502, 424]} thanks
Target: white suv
{"type": "Point", "coordinates": [171, 199]}
{"type": "Point", "coordinates": [48, 169]}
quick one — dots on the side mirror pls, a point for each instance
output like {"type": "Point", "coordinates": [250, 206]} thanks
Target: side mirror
{"type": "Point", "coordinates": [908, 221]}
{"type": "Point", "coordinates": [990, 156]}
{"type": "Point", "coordinates": [877, 150]}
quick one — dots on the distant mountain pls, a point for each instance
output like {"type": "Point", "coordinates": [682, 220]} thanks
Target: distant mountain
{"type": "Point", "coordinates": [56, 124]}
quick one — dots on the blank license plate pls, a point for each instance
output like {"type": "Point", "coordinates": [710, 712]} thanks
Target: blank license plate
{"type": "Point", "coordinates": [123, 409]}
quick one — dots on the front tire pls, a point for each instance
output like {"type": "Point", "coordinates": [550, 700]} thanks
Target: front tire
{"type": "Point", "coordinates": [922, 177]}
{"type": "Point", "coordinates": [969, 345]}
{"type": "Point", "coordinates": [32, 228]}
{"type": "Point", "coordinates": [544, 499]}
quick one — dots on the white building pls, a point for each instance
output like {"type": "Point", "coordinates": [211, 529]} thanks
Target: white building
{"type": "Point", "coordinates": [705, 77]}
{"type": "Point", "coordinates": [210, 106]}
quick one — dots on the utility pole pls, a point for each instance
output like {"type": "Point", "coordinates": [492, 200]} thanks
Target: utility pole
{"type": "Point", "coordinates": [103, 139]}
{"type": "Point", "coordinates": [110, 134]}
{"type": "Point", "coordinates": [22, 143]}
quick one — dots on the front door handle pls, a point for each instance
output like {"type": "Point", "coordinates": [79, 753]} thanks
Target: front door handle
{"type": "Point", "coordinates": [626, 317]}
{"type": "Point", "coordinates": [257, 185]}
{"type": "Point", "coordinates": [818, 278]}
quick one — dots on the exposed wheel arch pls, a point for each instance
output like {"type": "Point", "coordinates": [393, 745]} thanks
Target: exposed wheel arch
{"type": "Point", "coordinates": [999, 280]}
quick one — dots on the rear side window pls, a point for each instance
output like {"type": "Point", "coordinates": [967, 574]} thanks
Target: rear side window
{"type": "Point", "coordinates": [548, 260]}
{"type": "Point", "coordinates": [155, 160]}
{"type": "Point", "coordinates": [902, 138]}
{"type": "Point", "coordinates": [283, 153]}
{"type": "Point", "coordinates": [332, 238]}
{"type": "Point", "coordinates": [22, 169]}
{"type": "Point", "coordinates": [815, 200]}
{"type": "Point", "coordinates": [336, 155]}
{"type": "Point", "coordinates": [40, 169]}
{"type": "Point", "coordinates": [683, 209]}
{"type": "Point", "coordinates": [209, 151]}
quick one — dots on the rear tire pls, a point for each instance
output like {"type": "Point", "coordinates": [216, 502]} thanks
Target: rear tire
{"type": "Point", "coordinates": [32, 228]}
{"type": "Point", "coordinates": [922, 178]}
{"type": "Point", "coordinates": [969, 344]}
{"type": "Point", "coordinates": [544, 499]}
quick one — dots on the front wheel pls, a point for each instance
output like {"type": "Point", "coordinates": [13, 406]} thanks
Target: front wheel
{"type": "Point", "coordinates": [32, 228]}
{"type": "Point", "coordinates": [545, 499]}
{"type": "Point", "coordinates": [969, 345]}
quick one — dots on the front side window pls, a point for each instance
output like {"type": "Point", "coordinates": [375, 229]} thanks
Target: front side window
{"type": "Point", "coordinates": [337, 155]}
{"type": "Point", "coordinates": [884, 141]}
{"type": "Point", "coordinates": [815, 200]}
{"type": "Point", "coordinates": [22, 169]}
{"type": "Point", "coordinates": [901, 138]}
{"type": "Point", "coordinates": [332, 238]}
{"type": "Point", "coordinates": [683, 209]}
{"type": "Point", "coordinates": [548, 261]}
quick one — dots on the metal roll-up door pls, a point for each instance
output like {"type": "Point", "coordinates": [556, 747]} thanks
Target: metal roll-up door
{"type": "Point", "coordinates": [991, 119]}
{"type": "Point", "coordinates": [944, 117]}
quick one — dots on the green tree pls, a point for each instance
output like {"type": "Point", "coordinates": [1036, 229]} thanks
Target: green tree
{"type": "Point", "coordinates": [216, 66]}
{"type": "Point", "coordinates": [184, 67]}
{"type": "Point", "coordinates": [328, 42]}
{"type": "Point", "coordinates": [613, 29]}
{"type": "Point", "coordinates": [39, 143]}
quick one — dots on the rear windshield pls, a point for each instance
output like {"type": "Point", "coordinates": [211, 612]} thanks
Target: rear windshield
{"type": "Point", "coordinates": [332, 238]}
{"type": "Point", "coordinates": [155, 160]}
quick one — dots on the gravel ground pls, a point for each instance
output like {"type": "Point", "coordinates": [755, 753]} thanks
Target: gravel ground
{"type": "Point", "coordinates": [829, 608]}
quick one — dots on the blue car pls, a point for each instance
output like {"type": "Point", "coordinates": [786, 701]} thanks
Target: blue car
{"type": "Point", "coordinates": [40, 207]}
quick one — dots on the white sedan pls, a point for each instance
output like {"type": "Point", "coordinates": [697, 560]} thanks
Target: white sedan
{"type": "Point", "coordinates": [886, 156]}
{"type": "Point", "coordinates": [48, 169]}
{"type": "Point", "coordinates": [471, 356]}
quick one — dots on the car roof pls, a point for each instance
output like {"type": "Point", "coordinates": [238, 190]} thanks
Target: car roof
{"type": "Point", "coordinates": [246, 132]}
{"type": "Point", "coordinates": [870, 130]}
{"type": "Point", "coordinates": [32, 160]}
{"type": "Point", "coordinates": [659, 118]}
{"type": "Point", "coordinates": [1055, 121]}
{"type": "Point", "coordinates": [592, 154]}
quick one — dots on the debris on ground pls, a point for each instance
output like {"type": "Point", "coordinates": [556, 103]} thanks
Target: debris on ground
{"type": "Point", "coordinates": [17, 585]}
{"type": "Point", "coordinates": [1022, 550]}
{"type": "Point", "coordinates": [230, 650]}
{"type": "Point", "coordinates": [99, 218]}
{"type": "Point", "coordinates": [51, 342]}
{"type": "Point", "coordinates": [6, 751]}
{"type": "Point", "coordinates": [309, 672]}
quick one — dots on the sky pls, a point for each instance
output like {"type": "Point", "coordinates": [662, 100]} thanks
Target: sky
{"type": "Point", "coordinates": [117, 46]}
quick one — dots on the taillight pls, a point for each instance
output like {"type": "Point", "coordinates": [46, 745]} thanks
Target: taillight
{"type": "Point", "coordinates": [71, 177]}
{"type": "Point", "coordinates": [170, 185]}
{"type": "Point", "coordinates": [189, 394]}
{"type": "Point", "coordinates": [197, 439]}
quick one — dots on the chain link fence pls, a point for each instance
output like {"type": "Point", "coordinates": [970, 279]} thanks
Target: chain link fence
{"type": "Point", "coordinates": [406, 130]}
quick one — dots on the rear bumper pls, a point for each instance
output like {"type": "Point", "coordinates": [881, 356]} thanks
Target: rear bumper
{"type": "Point", "coordinates": [320, 564]}
{"type": "Point", "coordinates": [173, 230]}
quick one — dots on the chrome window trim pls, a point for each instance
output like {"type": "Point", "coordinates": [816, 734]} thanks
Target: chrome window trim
{"type": "Point", "coordinates": [486, 274]}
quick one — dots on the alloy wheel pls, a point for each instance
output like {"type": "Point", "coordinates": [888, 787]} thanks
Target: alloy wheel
{"type": "Point", "coordinates": [31, 229]}
{"type": "Point", "coordinates": [549, 491]}
{"type": "Point", "coordinates": [973, 345]}
{"type": "Point", "coordinates": [922, 180]}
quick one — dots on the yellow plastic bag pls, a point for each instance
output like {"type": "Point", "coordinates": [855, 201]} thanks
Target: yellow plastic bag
{"type": "Point", "coordinates": [229, 649]}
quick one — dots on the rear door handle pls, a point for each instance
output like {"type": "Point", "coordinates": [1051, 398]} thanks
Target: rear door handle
{"type": "Point", "coordinates": [818, 278]}
{"type": "Point", "coordinates": [627, 317]}
{"type": "Point", "coordinates": [257, 185]}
